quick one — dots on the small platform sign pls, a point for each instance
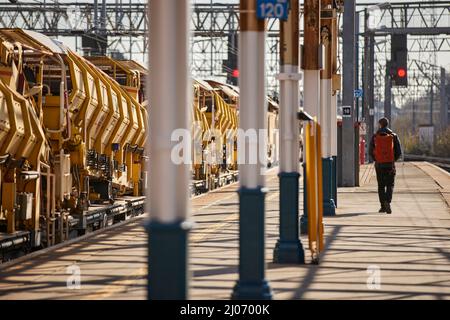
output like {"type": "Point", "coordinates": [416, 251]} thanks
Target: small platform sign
{"type": "Point", "coordinates": [346, 111]}
{"type": "Point", "coordinates": [278, 9]}
{"type": "Point", "coordinates": [358, 93]}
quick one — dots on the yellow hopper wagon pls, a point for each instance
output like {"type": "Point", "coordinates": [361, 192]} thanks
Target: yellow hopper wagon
{"type": "Point", "coordinates": [72, 137]}
{"type": "Point", "coordinates": [71, 143]}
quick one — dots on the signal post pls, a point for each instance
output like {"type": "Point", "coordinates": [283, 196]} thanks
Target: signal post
{"type": "Point", "coordinates": [349, 165]}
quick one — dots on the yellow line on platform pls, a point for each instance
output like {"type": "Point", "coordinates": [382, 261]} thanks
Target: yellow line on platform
{"type": "Point", "coordinates": [117, 286]}
{"type": "Point", "coordinates": [212, 230]}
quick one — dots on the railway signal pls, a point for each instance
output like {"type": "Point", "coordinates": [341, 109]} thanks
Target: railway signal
{"type": "Point", "coordinates": [399, 60]}
{"type": "Point", "coordinates": [230, 66]}
{"type": "Point", "coordinates": [401, 72]}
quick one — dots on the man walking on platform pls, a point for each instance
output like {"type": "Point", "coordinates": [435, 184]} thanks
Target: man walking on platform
{"type": "Point", "coordinates": [385, 149]}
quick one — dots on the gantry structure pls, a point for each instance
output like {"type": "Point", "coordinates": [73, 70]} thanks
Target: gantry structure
{"type": "Point", "coordinates": [119, 28]}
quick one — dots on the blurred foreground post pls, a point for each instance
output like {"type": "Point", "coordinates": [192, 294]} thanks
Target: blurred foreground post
{"type": "Point", "coordinates": [168, 193]}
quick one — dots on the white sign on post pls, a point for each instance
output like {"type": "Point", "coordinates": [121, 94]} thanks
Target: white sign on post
{"type": "Point", "coordinates": [346, 111]}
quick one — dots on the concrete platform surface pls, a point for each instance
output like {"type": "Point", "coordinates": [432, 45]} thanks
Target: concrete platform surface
{"type": "Point", "coordinates": [368, 255]}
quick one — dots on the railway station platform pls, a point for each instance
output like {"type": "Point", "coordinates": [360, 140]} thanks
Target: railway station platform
{"type": "Point", "coordinates": [410, 249]}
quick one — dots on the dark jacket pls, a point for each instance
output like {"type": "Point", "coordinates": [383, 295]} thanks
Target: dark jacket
{"type": "Point", "coordinates": [397, 147]}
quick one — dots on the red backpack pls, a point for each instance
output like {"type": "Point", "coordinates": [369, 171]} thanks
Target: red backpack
{"type": "Point", "coordinates": [384, 148]}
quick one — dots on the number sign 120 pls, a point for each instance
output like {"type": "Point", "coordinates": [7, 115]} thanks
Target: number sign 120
{"type": "Point", "coordinates": [272, 10]}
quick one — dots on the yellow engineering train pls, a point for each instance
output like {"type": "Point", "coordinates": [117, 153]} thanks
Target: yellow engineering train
{"type": "Point", "coordinates": [72, 136]}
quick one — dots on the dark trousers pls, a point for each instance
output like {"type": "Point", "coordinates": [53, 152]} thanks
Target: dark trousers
{"type": "Point", "coordinates": [385, 178]}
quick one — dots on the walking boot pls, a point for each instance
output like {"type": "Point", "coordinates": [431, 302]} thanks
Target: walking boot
{"type": "Point", "coordinates": [388, 208]}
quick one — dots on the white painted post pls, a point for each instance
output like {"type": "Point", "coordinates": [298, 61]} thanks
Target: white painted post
{"type": "Point", "coordinates": [289, 248]}
{"type": "Point", "coordinates": [253, 108]}
{"type": "Point", "coordinates": [169, 110]}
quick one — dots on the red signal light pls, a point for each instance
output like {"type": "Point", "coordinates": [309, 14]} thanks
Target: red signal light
{"type": "Point", "coordinates": [401, 72]}
{"type": "Point", "coordinates": [235, 73]}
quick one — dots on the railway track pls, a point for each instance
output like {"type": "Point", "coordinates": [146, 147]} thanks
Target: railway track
{"type": "Point", "coordinates": [99, 216]}
{"type": "Point", "coordinates": [443, 163]}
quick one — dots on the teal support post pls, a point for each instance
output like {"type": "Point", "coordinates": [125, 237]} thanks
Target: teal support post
{"type": "Point", "coordinates": [169, 260]}
{"type": "Point", "coordinates": [304, 218]}
{"type": "Point", "coordinates": [289, 247]}
{"type": "Point", "coordinates": [335, 182]}
{"type": "Point", "coordinates": [252, 284]}
{"type": "Point", "coordinates": [329, 208]}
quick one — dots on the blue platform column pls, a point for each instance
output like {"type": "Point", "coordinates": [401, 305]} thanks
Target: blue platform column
{"type": "Point", "coordinates": [329, 208]}
{"type": "Point", "coordinates": [325, 118]}
{"type": "Point", "coordinates": [253, 108]}
{"type": "Point", "coordinates": [168, 193]}
{"type": "Point", "coordinates": [335, 178]}
{"type": "Point", "coordinates": [304, 218]}
{"type": "Point", "coordinates": [289, 248]}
